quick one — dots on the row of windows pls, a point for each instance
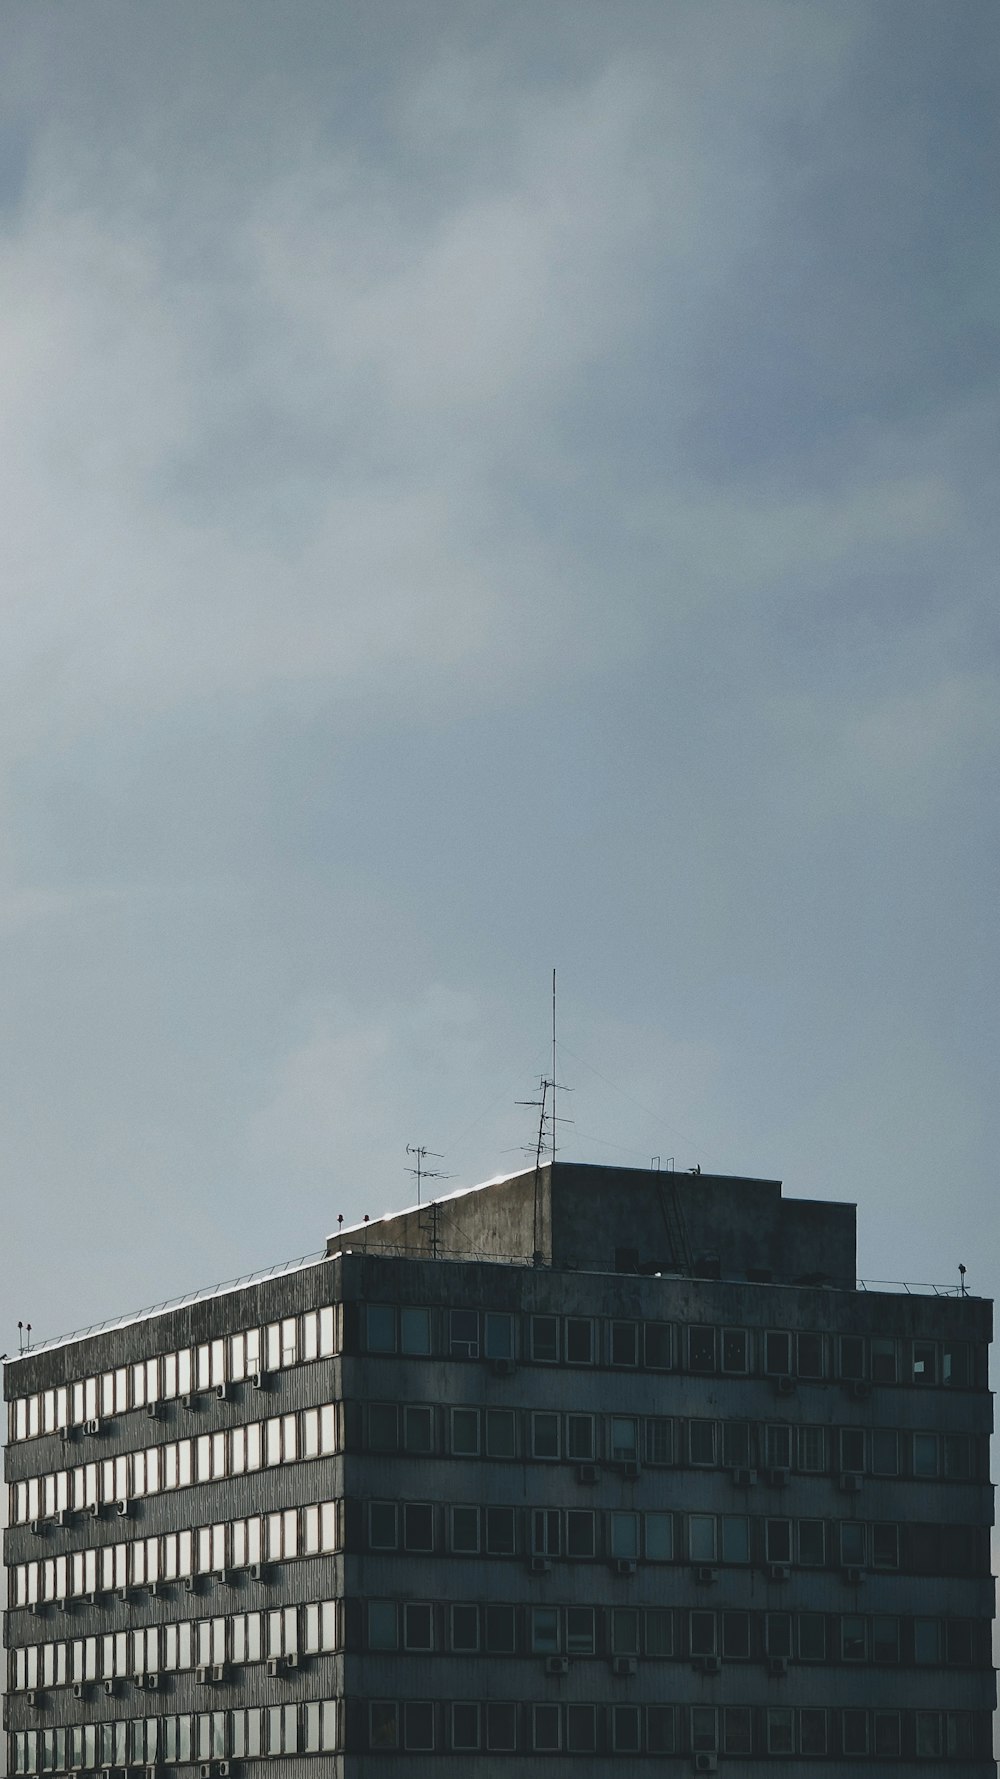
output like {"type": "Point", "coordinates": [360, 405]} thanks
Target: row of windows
{"type": "Point", "coordinates": [233, 1451]}
{"type": "Point", "coordinates": [199, 1736]}
{"type": "Point", "coordinates": [505, 1727]}
{"type": "Point", "coordinates": [181, 1556]}
{"type": "Point", "coordinates": [231, 1359]}
{"type": "Point", "coordinates": [466, 1628]}
{"type": "Point", "coordinates": [665, 1537]}
{"type": "Point", "coordinates": [576, 1437]}
{"type": "Point", "coordinates": [664, 1346]}
{"type": "Point", "coordinates": [241, 1637]}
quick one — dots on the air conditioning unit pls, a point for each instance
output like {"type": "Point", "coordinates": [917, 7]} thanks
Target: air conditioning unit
{"type": "Point", "coordinates": [223, 1392]}
{"type": "Point", "coordinates": [631, 1468]}
{"type": "Point", "coordinates": [37, 1608]}
{"type": "Point", "coordinates": [64, 1517]}
{"type": "Point", "coordinates": [67, 1435]}
{"type": "Point", "coordinates": [502, 1367]}
{"type": "Point", "coordinates": [31, 1696]}
{"type": "Point", "coordinates": [201, 1675]}
{"type": "Point", "coordinates": [257, 1572]}
{"type": "Point", "coordinates": [219, 1671]}
{"type": "Point", "coordinates": [778, 1477]}
{"type": "Point", "coordinates": [140, 1681]}
{"type": "Point", "coordinates": [223, 1768]}
{"type": "Point", "coordinates": [273, 1666]}
{"type": "Point", "coordinates": [706, 1763]}
{"type": "Point", "coordinates": [706, 1574]}
{"type": "Point", "coordinates": [79, 1690]}
{"type": "Point", "coordinates": [556, 1664]}
{"type": "Point", "coordinates": [850, 1482]}
{"type": "Point", "coordinates": [777, 1571]}
{"type": "Point", "coordinates": [623, 1665]}
{"type": "Point", "coordinates": [153, 1410]}
{"type": "Point", "coordinates": [624, 1566]}
{"type": "Point", "coordinates": [109, 1689]}
{"type": "Point", "coordinates": [859, 1388]}
{"type": "Point", "coordinates": [123, 1595]}
{"type": "Point", "coordinates": [205, 1770]}
{"type": "Point", "coordinates": [854, 1576]}
{"type": "Point", "coordinates": [708, 1664]}
{"type": "Point", "coordinates": [745, 1479]}
{"type": "Point", "coordinates": [190, 1401]}
{"type": "Point", "coordinates": [123, 1508]}
{"type": "Point", "coordinates": [785, 1385]}
{"type": "Point", "coordinates": [92, 1599]}
{"type": "Point", "coordinates": [257, 1380]}
{"type": "Point", "coordinates": [94, 1509]}
{"type": "Point", "coordinates": [777, 1666]}
{"type": "Point", "coordinates": [62, 1604]}
{"type": "Point", "coordinates": [586, 1473]}
{"type": "Point", "coordinates": [291, 1661]}
{"type": "Point", "coordinates": [153, 1588]}
{"type": "Point", "coordinates": [190, 1584]}
{"type": "Point", "coordinates": [92, 1426]}
{"type": "Point", "coordinates": [539, 1565]}
{"type": "Point", "coordinates": [152, 1683]}
{"type": "Point", "coordinates": [37, 1526]}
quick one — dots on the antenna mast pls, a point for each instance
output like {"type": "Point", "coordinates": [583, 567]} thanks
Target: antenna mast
{"type": "Point", "coordinates": [422, 1173]}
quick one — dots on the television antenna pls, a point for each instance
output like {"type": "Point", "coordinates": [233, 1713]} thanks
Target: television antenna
{"type": "Point", "coordinates": [421, 1173]}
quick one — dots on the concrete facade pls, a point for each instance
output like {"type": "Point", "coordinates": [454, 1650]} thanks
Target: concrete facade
{"type": "Point", "coordinates": [586, 1469]}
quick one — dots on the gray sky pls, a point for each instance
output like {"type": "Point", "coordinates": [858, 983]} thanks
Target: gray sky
{"type": "Point", "coordinates": [487, 486]}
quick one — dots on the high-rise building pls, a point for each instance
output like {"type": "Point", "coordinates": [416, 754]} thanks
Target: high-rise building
{"type": "Point", "coordinates": [586, 1470]}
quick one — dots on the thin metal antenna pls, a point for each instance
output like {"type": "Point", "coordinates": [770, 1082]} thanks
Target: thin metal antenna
{"type": "Point", "coordinates": [422, 1173]}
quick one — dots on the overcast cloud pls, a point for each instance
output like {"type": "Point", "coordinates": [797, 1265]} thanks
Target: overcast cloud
{"type": "Point", "coordinates": [487, 486]}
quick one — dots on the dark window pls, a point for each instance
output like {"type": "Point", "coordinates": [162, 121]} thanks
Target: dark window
{"type": "Point", "coordinates": [380, 1321]}
{"type": "Point", "coordinates": [736, 1444]}
{"type": "Point", "coordinates": [736, 1729]}
{"type": "Point", "coordinates": [852, 1356]}
{"type": "Point", "coordinates": [734, 1349]}
{"type": "Point", "coordinates": [501, 1727]}
{"type": "Point", "coordinates": [885, 1640]}
{"type": "Point", "coordinates": [579, 1532]}
{"type": "Point", "coordinates": [579, 1340]}
{"type": "Point", "coordinates": [701, 1348]}
{"type": "Point", "coordinates": [779, 1634]}
{"type": "Point", "coordinates": [854, 1731]}
{"type": "Point", "coordinates": [924, 1362]}
{"type": "Point", "coordinates": [383, 1426]}
{"type": "Point", "coordinates": [703, 1633]}
{"type": "Point", "coordinates": [852, 1543]}
{"type": "Point", "coordinates": [955, 1368]}
{"type": "Point", "coordinates": [465, 1334]}
{"type": "Point", "coordinates": [658, 1346]}
{"type": "Point", "coordinates": [418, 1526]}
{"type": "Point", "coordinates": [853, 1638]}
{"type": "Point", "coordinates": [958, 1640]}
{"type": "Point", "coordinates": [701, 1439]}
{"type": "Point", "coordinates": [810, 1355]}
{"type": "Point", "coordinates": [812, 1543]}
{"type": "Point", "coordinates": [812, 1732]}
{"type": "Point", "coordinates": [778, 1354]}
{"type": "Point", "coordinates": [418, 1726]}
{"type": "Point", "coordinates": [883, 1359]}
{"type": "Point", "coordinates": [545, 1339]}
{"type": "Point", "coordinates": [382, 1534]}
{"type": "Point", "coordinates": [736, 1635]}
{"type": "Point", "coordinates": [500, 1433]}
{"type": "Point", "coordinates": [852, 1448]}
{"type": "Point", "coordinates": [660, 1729]}
{"type": "Point", "coordinates": [779, 1541]}
{"type": "Point", "coordinates": [885, 1546]}
{"type": "Point", "coordinates": [500, 1531]}
{"type": "Point", "coordinates": [464, 1629]}
{"type": "Point", "coordinates": [500, 1630]}
{"type": "Point", "coordinates": [581, 1729]}
{"type": "Point", "coordinates": [498, 1335]}
{"type": "Point", "coordinates": [885, 1452]}
{"type": "Point", "coordinates": [887, 1739]}
{"type": "Point", "coordinates": [624, 1343]}
{"type": "Point", "coordinates": [812, 1637]}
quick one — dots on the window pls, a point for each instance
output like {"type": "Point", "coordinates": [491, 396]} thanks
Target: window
{"type": "Point", "coordinates": [885, 1547]}
{"type": "Point", "coordinates": [625, 1630]}
{"type": "Point", "coordinates": [545, 1339]}
{"type": "Point", "coordinates": [812, 1732]}
{"type": "Point", "coordinates": [886, 1733]}
{"type": "Point", "coordinates": [956, 1370]}
{"type": "Point", "coordinates": [624, 1343]}
{"type": "Point", "coordinates": [958, 1635]}
{"type": "Point", "coordinates": [658, 1440]}
{"type": "Point", "coordinates": [464, 1332]}
{"type": "Point", "coordinates": [780, 1730]}
{"type": "Point", "coordinates": [852, 1544]}
{"type": "Point", "coordinates": [464, 1727]}
{"type": "Point", "coordinates": [704, 1729]}
{"type": "Point", "coordinates": [883, 1352]}
{"type": "Point", "coordinates": [580, 1637]}
{"type": "Point", "coordinates": [778, 1448]}
{"type": "Point", "coordinates": [660, 1729]}
{"type": "Point", "coordinates": [777, 1354]}
{"type": "Point", "coordinates": [734, 1350]}
{"type": "Point", "coordinates": [418, 1526]}
{"type": "Point", "coordinates": [701, 1348]}
{"type": "Point", "coordinates": [380, 1329]}
{"type": "Point", "coordinates": [884, 1452]}
{"type": "Point", "coordinates": [659, 1533]}
{"type": "Point", "coordinates": [500, 1531]}
{"type": "Point", "coordinates": [957, 1448]}
{"type": "Point", "coordinates": [545, 1541]}
{"type": "Point", "coordinates": [418, 1428]}
{"type": "Point", "coordinates": [885, 1640]}
{"type": "Point", "coordinates": [736, 1444]}
{"type": "Point", "coordinates": [580, 1437]}
{"type": "Point", "coordinates": [657, 1346]}
{"type": "Point", "coordinates": [852, 1448]}
{"type": "Point", "coordinates": [465, 1432]}
{"type": "Point", "coordinates": [464, 1530]}
{"type": "Point", "coordinates": [415, 1331]}
{"type": "Point", "coordinates": [736, 1636]}
{"type": "Point", "coordinates": [624, 1439]}
{"type": "Point", "coordinates": [927, 1641]}
{"type": "Point", "coordinates": [581, 1729]}
{"type": "Point", "coordinates": [625, 1536]}
{"type": "Point", "coordinates": [545, 1630]}
{"type": "Point", "coordinates": [959, 1739]}
{"type": "Point", "coordinates": [925, 1454]}
{"type": "Point", "coordinates": [579, 1532]}
{"type": "Point", "coordinates": [924, 1362]}
{"type": "Point", "coordinates": [736, 1729]}
{"type": "Point", "coordinates": [735, 1538]}
{"type": "Point", "coordinates": [812, 1449]}
{"type": "Point", "coordinates": [545, 1435]}
{"type": "Point", "coordinates": [929, 1740]}
{"type": "Point", "coordinates": [702, 1538]}
{"type": "Point", "coordinates": [500, 1630]}
{"type": "Point", "coordinates": [778, 1634]}
{"type": "Point", "coordinates": [779, 1541]}
{"type": "Point", "coordinates": [418, 1625]}
{"type": "Point", "coordinates": [579, 1336]}
{"type": "Point", "coordinates": [500, 1441]}
{"type": "Point", "coordinates": [854, 1732]}
{"type": "Point", "coordinates": [812, 1543]}
{"type": "Point", "coordinates": [465, 1629]}
{"type": "Point", "coordinates": [853, 1638]}
{"type": "Point", "coordinates": [702, 1441]}
{"type": "Point", "coordinates": [383, 1427]}
{"type": "Point", "coordinates": [418, 1726]}
{"type": "Point", "coordinates": [382, 1525]}
{"type": "Point", "coordinates": [545, 1726]}
{"type": "Point", "coordinates": [702, 1630]}
{"type": "Point", "coordinates": [501, 1727]}
{"type": "Point", "coordinates": [625, 1729]}
{"type": "Point", "coordinates": [498, 1335]}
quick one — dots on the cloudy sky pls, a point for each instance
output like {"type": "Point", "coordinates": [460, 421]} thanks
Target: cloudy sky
{"type": "Point", "coordinates": [486, 486]}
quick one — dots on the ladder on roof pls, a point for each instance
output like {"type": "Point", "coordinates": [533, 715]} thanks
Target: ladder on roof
{"type": "Point", "coordinates": [673, 1220]}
